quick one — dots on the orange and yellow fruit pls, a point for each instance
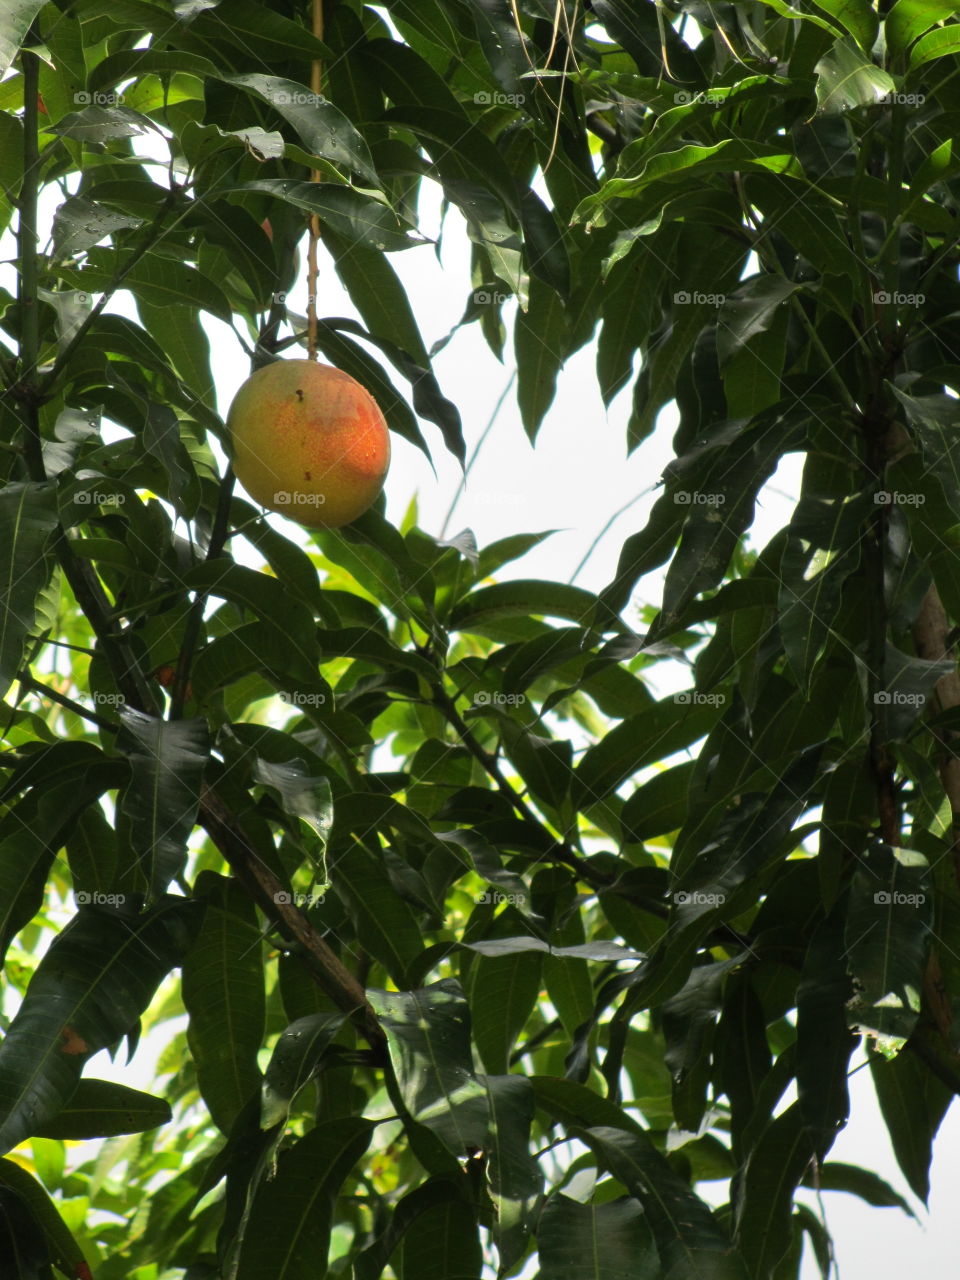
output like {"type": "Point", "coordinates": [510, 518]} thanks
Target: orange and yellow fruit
{"type": "Point", "coordinates": [310, 442]}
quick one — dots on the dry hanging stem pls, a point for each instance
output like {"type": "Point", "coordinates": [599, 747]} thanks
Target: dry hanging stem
{"type": "Point", "coordinates": [316, 83]}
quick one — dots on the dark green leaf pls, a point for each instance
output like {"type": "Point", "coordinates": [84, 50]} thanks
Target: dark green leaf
{"type": "Point", "coordinates": [429, 1038]}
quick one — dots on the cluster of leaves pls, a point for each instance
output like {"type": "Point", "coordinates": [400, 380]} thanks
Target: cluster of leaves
{"type": "Point", "coordinates": [524, 989]}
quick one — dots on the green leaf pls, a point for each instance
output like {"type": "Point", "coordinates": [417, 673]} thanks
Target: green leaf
{"type": "Point", "coordinates": [180, 331]}
{"type": "Point", "coordinates": [513, 1174]}
{"type": "Point", "coordinates": [773, 1171]}
{"type": "Point", "coordinates": [324, 130]}
{"type": "Point", "coordinates": [377, 293]}
{"type": "Point", "coordinates": [640, 740]}
{"type": "Point", "coordinates": [222, 987]}
{"type": "Point", "coordinates": [913, 1102]}
{"type": "Point", "coordinates": [252, 27]}
{"type": "Point", "coordinates": [167, 759]}
{"type": "Point", "coordinates": [502, 989]}
{"type": "Point", "coordinates": [28, 518]}
{"type": "Point", "coordinates": [846, 78]}
{"type": "Point", "coordinates": [824, 1042]}
{"type": "Point", "coordinates": [522, 599]}
{"type": "Point", "coordinates": [102, 1109]}
{"type": "Point", "coordinates": [942, 43]}
{"type": "Point", "coordinates": [869, 1186]}
{"type": "Point", "coordinates": [596, 1242]}
{"type": "Point", "coordinates": [657, 806]}
{"type": "Point", "coordinates": [442, 1243]}
{"type": "Point", "coordinates": [288, 1233]}
{"type": "Point", "coordinates": [428, 1033]}
{"type": "Point", "coordinates": [748, 311]}
{"type": "Point", "coordinates": [62, 1250]}
{"type": "Point", "coordinates": [79, 224]}
{"type": "Point", "coordinates": [908, 19]}
{"type": "Point", "coordinates": [65, 780]}
{"type": "Point", "coordinates": [17, 18]}
{"type": "Point", "coordinates": [857, 17]}
{"type": "Point", "coordinates": [296, 1058]}
{"type": "Point", "coordinates": [91, 986]}
{"type": "Point", "coordinates": [888, 930]}
{"type": "Point", "coordinates": [689, 1242]}
{"type": "Point", "coordinates": [357, 218]}
{"type": "Point", "coordinates": [541, 341]}
{"type": "Point", "coordinates": [385, 924]}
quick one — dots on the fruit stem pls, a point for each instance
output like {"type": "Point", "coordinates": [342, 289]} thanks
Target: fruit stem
{"type": "Point", "coordinates": [316, 86]}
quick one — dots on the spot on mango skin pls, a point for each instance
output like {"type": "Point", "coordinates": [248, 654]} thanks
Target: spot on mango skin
{"type": "Point", "coordinates": [72, 1043]}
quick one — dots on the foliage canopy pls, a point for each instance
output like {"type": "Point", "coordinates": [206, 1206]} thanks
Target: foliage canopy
{"type": "Point", "coordinates": [474, 958]}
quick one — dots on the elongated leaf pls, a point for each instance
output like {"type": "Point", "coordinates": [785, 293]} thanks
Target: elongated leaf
{"type": "Point", "coordinates": [324, 129]}
{"type": "Point", "coordinates": [869, 1186]}
{"type": "Point", "coordinates": [596, 1242]}
{"type": "Point", "coordinates": [908, 19]}
{"type": "Point", "coordinates": [513, 1174]}
{"type": "Point", "coordinates": [28, 517]}
{"type": "Point", "coordinates": [295, 1059]}
{"type": "Point", "coordinates": [222, 985]}
{"type": "Point", "coordinates": [913, 1103]}
{"type": "Point", "coordinates": [824, 1042]}
{"type": "Point", "coordinates": [95, 981]}
{"type": "Point", "coordinates": [167, 760]}
{"type": "Point", "coordinates": [357, 218]}
{"type": "Point", "coordinates": [502, 990]}
{"type": "Point", "coordinates": [17, 17]}
{"type": "Point", "coordinates": [79, 224]}
{"type": "Point", "coordinates": [690, 1244]}
{"type": "Point", "coordinates": [541, 346]}
{"type": "Point", "coordinates": [103, 1109]}
{"type": "Point", "coordinates": [640, 740]}
{"type": "Point", "coordinates": [442, 1243]}
{"type": "Point", "coordinates": [765, 1204]}
{"type": "Point", "coordinates": [385, 923]}
{"type": "Point", "coordinates": [288, 1232]}
{"type": "Point", "coordinates": [65, 780]}
{"type": "Point", "coordinates": [889, 919]}
{"type": "Point", "coordinates": [378, 295]}
{"type": "Point", "coordinates": [428, 1032]}
{"type": "Point", "coordinates": [62, 1249]}
{"type": "Point", "coordinates": [846, 78]}
{"type": "Point", "coordinates": [942, 43]}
